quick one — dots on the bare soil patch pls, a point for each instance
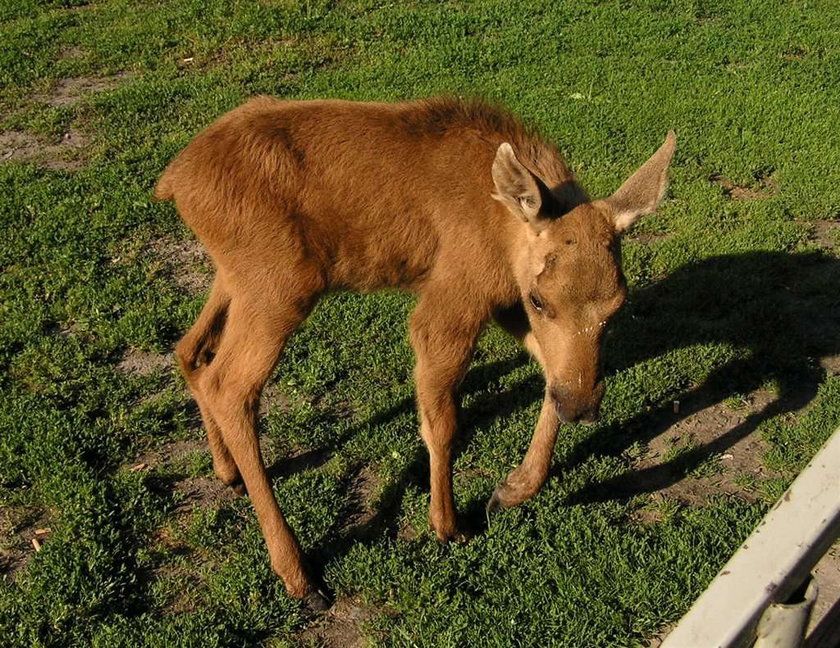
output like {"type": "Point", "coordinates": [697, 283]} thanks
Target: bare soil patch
{"type": "Point", "coordinates": [825, 232]}
{"type": "Point", "coordinates": [69, 91]}
{"type": "Point", "coordinates": [361, 511]}
{"type": "Point", "coordinates": [143, 363]}
{"type": "Point", "coordinates": [185, 261]}
{"type": "Point", "coordinates": [169, 453]}
{"type": "Point", "coordinates": [18, 528]}
{"type": "Point", "coordinates": [199, 492]}
{"type": "Point", "coordinates": [67, 153]}
{"type": "Point", "coordinates": [831, 364]}
{"type": "Point", "coordinates": [71, 52]}
{"type": "Point", "coordinates": [172, 461]}
{"type": "Point", "coordinates": [719, 475]}
{"type": "Point", "coordinates": [192, 491]}
{"type": "Point", "coordinates": [764, 187]}
{"type": "Point", "coordinates": [64, 154]}
{"type": "Point", "coordinates": [660, 636]}
{"type": "Point", "coordinates": [273, 398]}
{"type": "Point", "coordinates": [341, 627]}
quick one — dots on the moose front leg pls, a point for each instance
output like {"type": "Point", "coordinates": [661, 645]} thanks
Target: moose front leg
{"type": "Point", "coordinates": [443, 347]}
{"type": "Point", "coordinates": [524, 482]}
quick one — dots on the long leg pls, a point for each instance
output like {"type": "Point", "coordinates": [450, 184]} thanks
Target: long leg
{"type": "Point", "coordinates": [195, 352]}
{"type": "Point", "coordinates": [527, 479]}
{"type": "Point", "coordinates": [444, 344]}
{"type": "Point", "coordinates": [253, 340]}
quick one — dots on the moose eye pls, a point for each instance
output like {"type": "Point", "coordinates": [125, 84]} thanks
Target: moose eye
{"type": "Point", "coordinates": [535, 302]}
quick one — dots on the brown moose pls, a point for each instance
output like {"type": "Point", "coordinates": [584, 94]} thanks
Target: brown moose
{"type": "Point", "coordinates": [455, 201]}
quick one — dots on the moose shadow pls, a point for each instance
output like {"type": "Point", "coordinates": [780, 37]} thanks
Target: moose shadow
{"type": "Point", "coordinates": [781, 310]}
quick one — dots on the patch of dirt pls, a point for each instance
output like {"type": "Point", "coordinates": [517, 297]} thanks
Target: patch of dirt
{"type": "Point", "coordinates": [71, 52]}
{"type": "Point", "coordinates": [764, 187]}
{"type": "Point", "coordinates": [69, 91]}
{"type": "Point", "coordinates": [341, 626]}
{"type": "Point", "coordinates": [186, 262]}
{"type": "Point", "coordinates": [193, 491]}
{"type": "Point", "coordinates": [272, 399]}
{"type": "Point", "coordinates": [831, 364]}
{"type": "Point", "coordinates": [203, 491]}
{"type": "Point", "coordinates": [824, 233]}
{"type": "Point", "coordinates": [169, 453]}
{"type": "Point", "coordinates": [207, 490]}
{"type": "Point", "coordinates": [64, 154]}
{"type": "Point", "coordinates": [407, 533]}
{"type": "Point", "coordinates": [362, 495]}
{"type": "Point", "coordinates": [18, 528]}
{"type": "Point", "coordinates": [143, 363]}
{"type": "Point", "coordinates": [742, 460]}
{"type": "Point", "coordinates": [660, 636]}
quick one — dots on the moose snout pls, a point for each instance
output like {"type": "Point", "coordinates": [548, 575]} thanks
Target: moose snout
{"type": "Point", "coordinates": [576, 407]}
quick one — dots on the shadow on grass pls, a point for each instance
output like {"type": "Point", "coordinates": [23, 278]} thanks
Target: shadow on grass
{"type": "Point", "coordinates": [483, 408]}
{"type": "Point", "coordinates": [782, 309]}
{"type": "Point", "coordinates": [783, 312]}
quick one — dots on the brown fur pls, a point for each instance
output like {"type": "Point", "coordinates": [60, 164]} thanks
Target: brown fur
{"type": "Point", "coordinates": [453, 200]}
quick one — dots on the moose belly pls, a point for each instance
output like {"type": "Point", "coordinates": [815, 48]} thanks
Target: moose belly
{"type": "Point", "coordinates": [388, 261]}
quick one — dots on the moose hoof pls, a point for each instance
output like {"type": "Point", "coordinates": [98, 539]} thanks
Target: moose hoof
{"type": "Point", "coordinates": [507, 495]}
{"type": "Point", "coordinates": [494, 503]}
{"type": "Point", "coordinates": [457, 536]}
{"type": "Point", "coordinates": [227, 473]}
{"type": "Point", "coordinates": [450, 533]}
{"type": "Point", "coordinates": [238, 487]}
{"type": "Point", "coordinates": [503, 497]}
{"type": "Point", "coordinates": [316, 602]}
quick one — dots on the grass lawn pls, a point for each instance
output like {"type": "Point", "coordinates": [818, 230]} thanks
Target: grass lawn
{"type": "Point", "coordinates": [734, 312]}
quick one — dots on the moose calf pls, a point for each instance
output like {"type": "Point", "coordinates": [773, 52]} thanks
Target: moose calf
{"type": "Point", "coordinates": [455, 201]}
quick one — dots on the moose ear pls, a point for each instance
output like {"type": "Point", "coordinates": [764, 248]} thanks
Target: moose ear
{"type": "Point", "coordinates": [517, 187]}
{"type": "Point", "coordinates": [643, 191]}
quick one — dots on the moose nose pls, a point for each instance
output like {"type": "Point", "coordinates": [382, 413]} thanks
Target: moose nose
{"type": "Point", "coordinates": [572, 408]}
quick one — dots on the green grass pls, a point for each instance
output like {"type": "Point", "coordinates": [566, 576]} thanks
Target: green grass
{"type": "Point", "coordinates": [729, 297]}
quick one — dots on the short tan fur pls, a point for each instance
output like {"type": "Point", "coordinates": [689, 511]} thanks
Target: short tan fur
{"type": "Point", "coordinates": [453, 200]}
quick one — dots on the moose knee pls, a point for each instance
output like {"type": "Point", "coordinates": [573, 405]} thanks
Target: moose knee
{"type": "Point", "coordinates": [183, 352]}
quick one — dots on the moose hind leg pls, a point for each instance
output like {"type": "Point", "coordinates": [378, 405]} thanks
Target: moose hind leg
{"type": "Point", "coordinates": [254, 338]}
{"type": "Point", "coordinates": [195, 352]}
